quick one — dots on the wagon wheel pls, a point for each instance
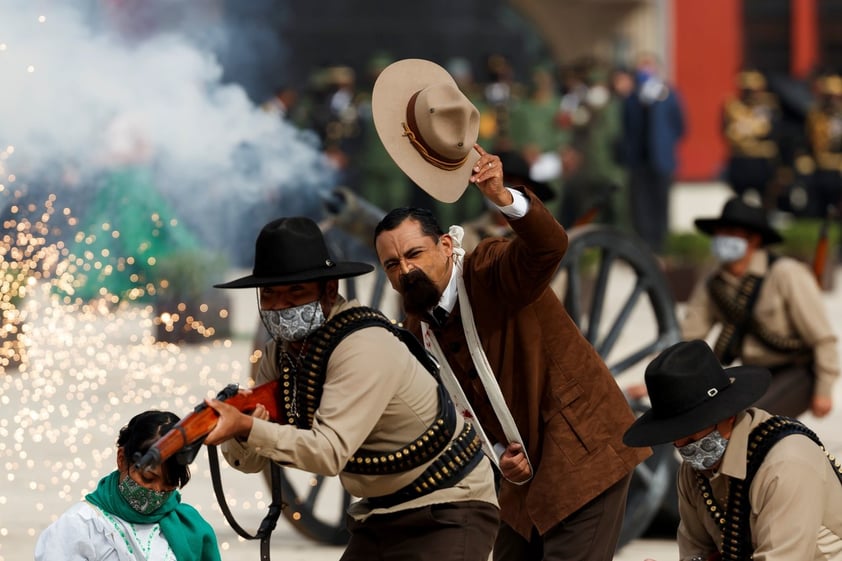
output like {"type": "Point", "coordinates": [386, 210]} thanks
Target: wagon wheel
{"type": "Point", "coordinates": [613, 288]}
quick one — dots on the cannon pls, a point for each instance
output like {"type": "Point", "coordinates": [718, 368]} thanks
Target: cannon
{"type": "Point", "coordinates": [612, 287]}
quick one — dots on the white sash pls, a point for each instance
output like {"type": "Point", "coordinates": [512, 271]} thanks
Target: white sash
{"type": "Point", "coordinates": [486, 375]}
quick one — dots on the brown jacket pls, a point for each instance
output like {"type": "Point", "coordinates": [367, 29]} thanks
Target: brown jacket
{"type": "Point", "coordinates": [568, 407]}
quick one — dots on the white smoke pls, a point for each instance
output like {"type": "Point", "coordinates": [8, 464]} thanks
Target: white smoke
{"type": "Point", "coordinates": [77, 97]}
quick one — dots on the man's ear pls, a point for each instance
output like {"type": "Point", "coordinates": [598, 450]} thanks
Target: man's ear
{"type": "Point", "coordinates": [330, 295]}
{"type": "Point", "coordinates": [447, 244]}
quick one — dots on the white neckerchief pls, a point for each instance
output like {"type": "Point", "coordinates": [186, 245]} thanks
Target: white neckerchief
{"type": "Point", "coordinates": [483, 368]}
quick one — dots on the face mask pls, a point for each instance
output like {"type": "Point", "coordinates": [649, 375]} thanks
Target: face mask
{"type": "Point", "coordinates": [598, 96]}
{"type": "Point", "coordinates": [141, 499]}
{"type": "Point", "coordinates": [705, 452]}
{"type": "Point", "coordinates": [727, 249]}
{"type": "Point", "coordinates": [293, 324]}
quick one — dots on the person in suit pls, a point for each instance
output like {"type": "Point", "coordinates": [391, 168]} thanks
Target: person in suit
{"type": "Point", "coordinates": [552, 414]}
{"type": "Point", "coordinates": [653, 123]}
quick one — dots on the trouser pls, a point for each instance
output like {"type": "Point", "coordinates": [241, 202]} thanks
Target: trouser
{"type": "Point", "coordinates": [458, 531]}
{"type": "Point", "coordinates": [649, 198]}
{"type": "Point", "coordinates": [746, 173]}
{"type": "Point", "coordinates": [791, 391]}
{"type": "Point", "coordinates": [589, 534]}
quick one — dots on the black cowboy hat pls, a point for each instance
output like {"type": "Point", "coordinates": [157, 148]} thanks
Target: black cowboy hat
{"type": "Point", "coordinates": [291, 250]}
{"type": "Point", "coordinates": [516, 171]}
{"type": "Point", "coordinates": [689, 391]}
{"type": "Point", "coordinates": [737, 212]}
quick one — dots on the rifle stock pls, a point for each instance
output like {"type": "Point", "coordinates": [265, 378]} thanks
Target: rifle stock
{"type": "Point", "coordinates": [822, 246]}
{"type": "Point", "coordinates": [185, 438]}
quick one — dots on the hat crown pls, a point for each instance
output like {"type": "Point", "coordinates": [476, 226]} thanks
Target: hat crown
{"type": "Point", "coordinates": [683, 377]}
{"type": "Point", "coordinates": [289, 246]}
{"type": "Point", "coordinates": [447, 120]}
{"type": "Point", "coordinates": [689, 391]}
{"type": "Point", "coordinates": [737, 213]}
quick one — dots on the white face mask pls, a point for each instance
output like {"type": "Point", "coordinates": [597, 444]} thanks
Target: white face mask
{"type": "Point", "coordinates": [598, 96]}
{"type": "Point", "coordinates": [293, 324]}
{"type": "Point", "coordinates": [727, 249]}
{"type": "Point", "coordinates": [705, 452]}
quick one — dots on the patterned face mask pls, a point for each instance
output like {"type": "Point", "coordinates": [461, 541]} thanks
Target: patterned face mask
{"type": "Point", "coordinates": [705, 452]}
{"type": "Point", "coordinates": [141, 499]}
{"type": "Point", "coordinates": [293, 324]}
{"type": "Point", "coordinates": [727, 249]}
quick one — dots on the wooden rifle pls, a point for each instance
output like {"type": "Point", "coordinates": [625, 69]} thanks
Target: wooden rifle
{"type": "Point", "coordinates": [187, 436]}
{"type": "Point", "coordinates": [822, 248]}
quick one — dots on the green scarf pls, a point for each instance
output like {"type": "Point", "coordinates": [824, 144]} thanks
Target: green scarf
{"type": "Point", "coordinates": [189, 535]}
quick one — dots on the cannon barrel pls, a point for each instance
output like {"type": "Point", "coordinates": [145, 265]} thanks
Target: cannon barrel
{"type": "Point", "coordinates": [350, 213]}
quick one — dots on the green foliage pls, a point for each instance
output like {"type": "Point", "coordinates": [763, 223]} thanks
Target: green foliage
{"type": "Point", "coordinates": [687, 248]}
{"type": "Point", "coordinates": [802, 235]}
{"type": "Point", "coordinates": [188, 274]}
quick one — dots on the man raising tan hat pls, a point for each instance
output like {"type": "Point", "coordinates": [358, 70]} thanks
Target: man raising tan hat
{"type": "Point", "coordinates": [551, 412]}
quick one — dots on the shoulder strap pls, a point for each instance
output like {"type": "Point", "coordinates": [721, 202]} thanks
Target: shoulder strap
{"type": "Point", "coordinates": [737, 312]}
{"type": "Point", "coordinates": [264, 531]}
{"type": "Point", "coordinates": [313, 367]}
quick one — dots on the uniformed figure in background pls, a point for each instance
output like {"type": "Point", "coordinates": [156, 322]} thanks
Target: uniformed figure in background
{"type": "Point", "coordinates": [750, 125]}
{"type": "Point", "coordinates": [824, 138]}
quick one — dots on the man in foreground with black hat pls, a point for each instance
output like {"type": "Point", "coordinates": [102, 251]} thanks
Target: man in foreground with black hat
{"type": "Point", "coordinates": [771, 312]}
{"type": "Point", "coordinates": [751, 485]}
{"type": "Point", "coordinates": [359, 398]}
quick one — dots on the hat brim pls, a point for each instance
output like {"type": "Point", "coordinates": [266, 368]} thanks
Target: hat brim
{"type": "Point", "coordinates": [345, 269]}
{"type": "Point", "coordinates": [389, 99]}
{"type": "Point", "coordinates": [709, 226]}
{"type": "Point", "coordinates": [749, 384]}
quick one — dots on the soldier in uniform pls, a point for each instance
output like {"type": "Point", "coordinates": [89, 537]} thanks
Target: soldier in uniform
{"type": "Point", "coordinates": [770, 311]}
{"type": "Point", "coordinates": [824, 137]}
{"type": "Point", "coordinates": [360, 399]}
{"type": "Point", "coordinates": [751, 485]}
{"type": "Point", "coordinates": [750, 124]}
{"type": "Point", "coordinates": [381, 182]}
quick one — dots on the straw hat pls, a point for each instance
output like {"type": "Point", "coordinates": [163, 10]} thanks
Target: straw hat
{"type": "Point", "coordinates": [427, 126]}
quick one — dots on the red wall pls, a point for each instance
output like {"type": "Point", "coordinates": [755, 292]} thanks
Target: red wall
{"type": "Point", "coordinates": [707, 52]}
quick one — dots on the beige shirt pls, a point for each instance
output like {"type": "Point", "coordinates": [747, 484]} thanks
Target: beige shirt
{"type": "Point", "coordinates": [796, 500]}
{"type": "Point", "coordinates": [376, 396]}
{"type": "Point", "coordinates": [789, 304]}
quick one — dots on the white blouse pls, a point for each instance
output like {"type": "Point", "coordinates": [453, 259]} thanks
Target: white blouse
{"type": "Point", "coordinates": [87, 533]}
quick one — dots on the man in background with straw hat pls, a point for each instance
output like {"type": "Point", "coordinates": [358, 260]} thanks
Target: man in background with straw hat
{"type": "Point", "coordinates": [770, 311]}
{"type": "Point", "coordinates": [549, 411]}
{"type": "Point", "coordinates": [358, 397]}
{"type": "Point", "coordinates": [751, 485]}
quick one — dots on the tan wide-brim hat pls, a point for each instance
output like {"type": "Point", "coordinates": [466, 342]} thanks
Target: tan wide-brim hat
{"type": "Point", "coordinates": [427, 126]}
